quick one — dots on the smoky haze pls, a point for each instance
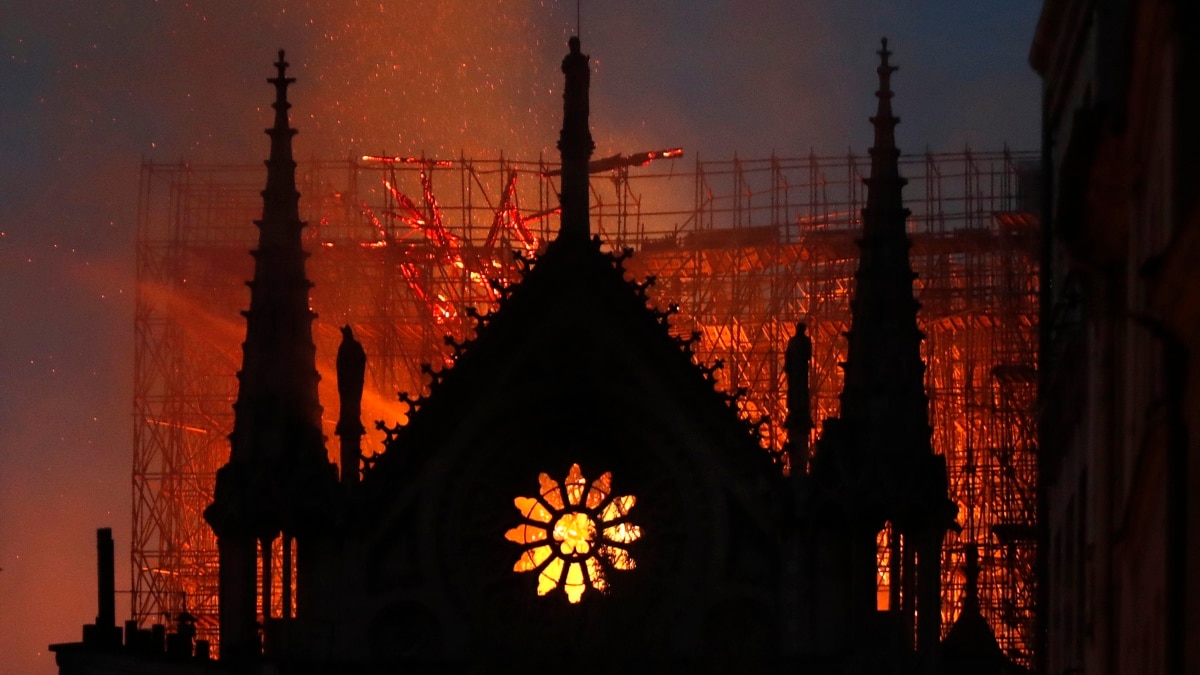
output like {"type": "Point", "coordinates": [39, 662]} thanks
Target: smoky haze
{"type": "Point", "coordinates": [93, 88]}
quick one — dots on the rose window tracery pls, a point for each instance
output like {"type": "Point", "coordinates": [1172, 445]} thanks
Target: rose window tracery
{"type": "Point", "coordinates": [574, 534]}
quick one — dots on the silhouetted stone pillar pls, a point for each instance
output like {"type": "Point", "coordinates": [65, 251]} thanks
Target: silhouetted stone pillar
{"type": "Point", "coordinates": [266, 548]}
{"type": "Point", "coordinates": [286, 611]}
{"type": "Point", "coordinates": [238, 592]}
{"type": "Point", "coordinates": [895, 544]}
{"type": "Point", "coordinates": [929, 591]}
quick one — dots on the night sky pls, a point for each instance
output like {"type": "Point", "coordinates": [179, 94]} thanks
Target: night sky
{"type": "Point", "coordinates": [89, 89]}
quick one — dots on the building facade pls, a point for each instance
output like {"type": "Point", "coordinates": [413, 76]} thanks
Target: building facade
{"type": "Point", "coordinates": [632, 521]}
{"type": "Point", "coordinates": [1121, 325]}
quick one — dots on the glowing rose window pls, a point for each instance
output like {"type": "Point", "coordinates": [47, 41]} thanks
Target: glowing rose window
{"type": "Point", "coordinates": [574, 534]}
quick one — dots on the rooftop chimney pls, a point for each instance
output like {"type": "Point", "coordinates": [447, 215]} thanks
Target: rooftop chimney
{"type": "Point", "coordinates": [105, 583]}
{"type": "Point", "coordinates": [104, 633]}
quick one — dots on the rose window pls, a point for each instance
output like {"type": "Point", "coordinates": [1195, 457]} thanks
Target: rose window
{"type": "Point", "coordinates": [574, 534]}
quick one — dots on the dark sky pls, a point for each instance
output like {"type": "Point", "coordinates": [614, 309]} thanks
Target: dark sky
{"type": "Point", "coordinates": [91, 88]}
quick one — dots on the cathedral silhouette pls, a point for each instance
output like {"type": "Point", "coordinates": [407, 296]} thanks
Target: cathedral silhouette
{"type": "Point", "coordinates": [630, 521]}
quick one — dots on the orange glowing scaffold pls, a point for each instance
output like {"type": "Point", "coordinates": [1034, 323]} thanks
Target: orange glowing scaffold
{"type": "Point", "coordinates": [403, 248]}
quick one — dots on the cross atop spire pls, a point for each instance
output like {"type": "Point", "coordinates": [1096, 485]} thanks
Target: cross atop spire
{"type": "Point", "coordinates": [281, 82]}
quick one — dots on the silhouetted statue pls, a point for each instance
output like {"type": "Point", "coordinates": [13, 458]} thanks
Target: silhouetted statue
{"type": "Point", "coordinates": [796, 364]}
{"type": "Point", "coordinates": [351, 371]}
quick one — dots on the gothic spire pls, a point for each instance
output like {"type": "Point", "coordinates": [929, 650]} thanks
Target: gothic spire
{"type": "Point", "coordinates": [278, 380]}
{"type": "Point", "coordinates": [884, 383]}
{"type": "Point", "coordinates": [278, 474]}
{"type": "Point", "coordinates": [575, 145]}
{"type": "Point", "coordinates": [886, 450]}
{"type": "Point", "coordinates": [277, 416]}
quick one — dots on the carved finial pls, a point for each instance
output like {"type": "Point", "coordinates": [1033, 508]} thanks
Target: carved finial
{"type": "Point", "coordinates": [885, 70]}
{"type": "Point", "coordinates": [281, 82]}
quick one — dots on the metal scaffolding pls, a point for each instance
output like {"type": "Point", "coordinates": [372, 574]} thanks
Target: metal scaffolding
{"type": "Point", "coordinates": [747, 248]}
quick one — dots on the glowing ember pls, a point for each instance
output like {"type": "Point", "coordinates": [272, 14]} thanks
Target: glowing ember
{"type": "Point", "coordinates": [578, 558]}
{"type": "Point", "coordinates": [406, 160]}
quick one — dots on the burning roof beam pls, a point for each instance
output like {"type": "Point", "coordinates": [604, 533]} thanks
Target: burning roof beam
{"type": "Point", "coordinates": [619, 161]}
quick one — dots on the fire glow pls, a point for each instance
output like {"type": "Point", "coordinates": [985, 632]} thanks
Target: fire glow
{"type": "Point", "coordinates": [741, 288]}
